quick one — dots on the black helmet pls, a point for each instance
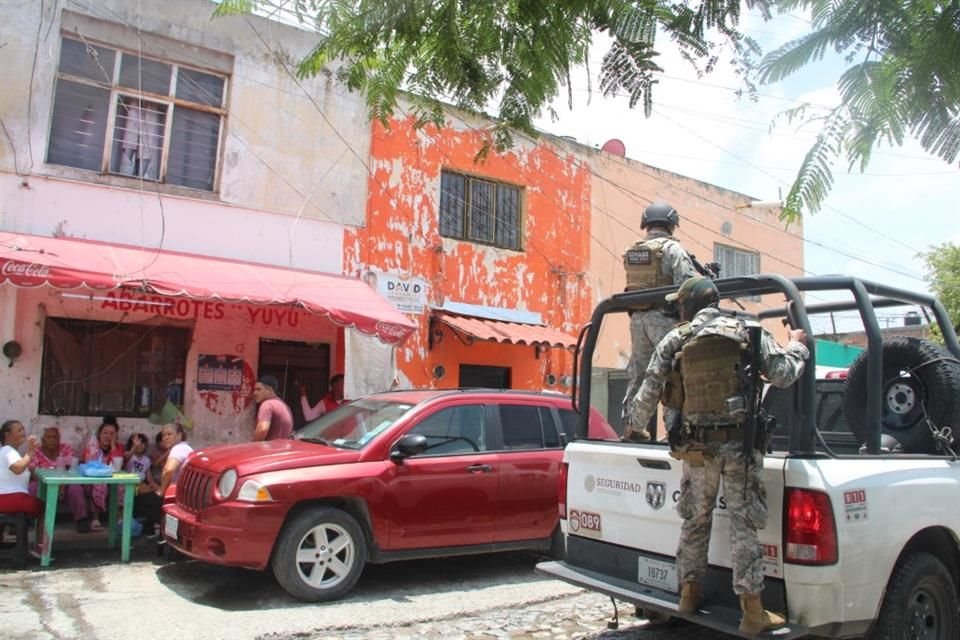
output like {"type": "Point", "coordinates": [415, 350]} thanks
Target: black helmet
{"type": "Point", "coordinates": [659, 213]}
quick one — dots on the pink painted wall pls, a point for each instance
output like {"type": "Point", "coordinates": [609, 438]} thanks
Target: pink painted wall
{"type": "Point", "coordinates": [218, 328]}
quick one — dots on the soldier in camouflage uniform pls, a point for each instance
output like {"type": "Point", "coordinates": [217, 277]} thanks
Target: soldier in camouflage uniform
{"type": "Point", "coordinates": [657, 260]}
{"type": "Point", "coordinates": [702, 358]}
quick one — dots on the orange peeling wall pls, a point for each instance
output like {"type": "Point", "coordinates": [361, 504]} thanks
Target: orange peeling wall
{"type": "Point", "coordinates": [402, 237]}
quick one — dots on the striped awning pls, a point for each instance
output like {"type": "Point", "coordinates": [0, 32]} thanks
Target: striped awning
{"type": "Point", "coordinates": [506, 332]}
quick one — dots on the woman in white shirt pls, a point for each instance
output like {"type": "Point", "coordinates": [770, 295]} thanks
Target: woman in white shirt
{"type": "Point", "coordinates": [150, 504]}
{"type": "Point", "coordinates": [14, 470]}
{"type": "Point", "coordinates": [15, 477]}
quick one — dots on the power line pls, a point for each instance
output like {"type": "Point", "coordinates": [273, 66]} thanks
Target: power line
{"type": "Point", "coordinates": [349, 147]}
{"type": "Point", "coordinates": [764, 126]}
{"type": "Point", "coordinates": [33, 71]}
{"type": "Point", "coordinates": [611, 252]}
{"type": "Point", "coordinates": [775, 178]}
{"type": "Point", "coordinates": [770, 175]}
{"type": "Point", "coordinates": [305, 93]}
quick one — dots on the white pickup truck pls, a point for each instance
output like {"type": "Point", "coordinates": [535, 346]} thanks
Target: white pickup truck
{"type": "Point", "coordinates": [863, 537]}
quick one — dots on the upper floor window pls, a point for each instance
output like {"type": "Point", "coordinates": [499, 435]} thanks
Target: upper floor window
{"type": "Point", "coordinates": [118, 113]}
{"type": "Point", "coordinates": [480, 211]}
{"type": "Point", "coordinates": [736, 262]}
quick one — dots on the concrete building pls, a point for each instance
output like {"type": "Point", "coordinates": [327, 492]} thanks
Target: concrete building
{"type": "Point", "coordinates": [138, 136]}
{"type": "Point", "coordinates": [224, 219]}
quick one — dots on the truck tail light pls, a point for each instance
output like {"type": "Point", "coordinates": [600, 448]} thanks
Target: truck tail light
{"type": "Point", "coordinates": [810, 534]}
{"type": "Point", "coordinates": [562, 491]}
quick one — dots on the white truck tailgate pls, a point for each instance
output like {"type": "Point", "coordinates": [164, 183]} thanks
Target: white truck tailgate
{"type": "Point", "coordinates": [627, 495]}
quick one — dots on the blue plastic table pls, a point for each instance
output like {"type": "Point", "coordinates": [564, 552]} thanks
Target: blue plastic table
{"type": "Point", "coordinates": [48, 490]}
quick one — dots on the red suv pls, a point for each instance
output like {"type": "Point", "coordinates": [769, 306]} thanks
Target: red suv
{"type": "Point", "coordinates": [392, 476]}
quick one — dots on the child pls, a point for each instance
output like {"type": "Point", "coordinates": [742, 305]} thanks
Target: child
{"type": "Point", "coordinates": [138, 462]}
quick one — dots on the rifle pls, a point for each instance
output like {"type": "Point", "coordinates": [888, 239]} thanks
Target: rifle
{"type": "Point", "coordinates": [710, 270]}
{"type": "Point", "coordinates": [753, 430]}
{"type": "Point", "coordinates": [675, 436]}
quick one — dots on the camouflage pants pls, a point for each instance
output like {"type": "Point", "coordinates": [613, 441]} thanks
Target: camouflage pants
{"type": "Point", "coordinates": [746, 506]}
{"type": "Point", "coordinates": [647, 329]}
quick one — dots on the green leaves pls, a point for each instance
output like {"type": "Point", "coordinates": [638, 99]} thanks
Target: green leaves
{"type": "Point", "coordinates": [815, 178]}
{"type": "Point", "coordinates": [514, 54]}
{"type": "Point", "coordinates": [907, 83]}
{"type": "Point", "coordinates": [943, 274]}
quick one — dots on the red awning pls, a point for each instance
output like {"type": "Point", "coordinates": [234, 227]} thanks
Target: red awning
{"type": "Point", "coordinates": [62, 263]}
{"type": "Point", "coordinates": [511, 332]}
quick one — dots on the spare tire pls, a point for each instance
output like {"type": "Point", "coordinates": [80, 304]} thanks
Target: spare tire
{"type": "Point", "coordinates": [917, 374]}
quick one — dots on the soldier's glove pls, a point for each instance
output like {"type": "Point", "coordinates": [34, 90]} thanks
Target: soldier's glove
{"type": "Point", "coordinates": [675, 438]}
{"type": "Point", "coordinates": [629, 433]}
{"type": "Point", "coordinates": [641, 435]}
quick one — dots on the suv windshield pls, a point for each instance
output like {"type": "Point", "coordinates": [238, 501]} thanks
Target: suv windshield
{"type": "Point", "coordinates": [355, 424]}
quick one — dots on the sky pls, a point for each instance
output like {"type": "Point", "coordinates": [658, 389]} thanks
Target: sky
{"type": "Point", "coordinates": [872, 225]}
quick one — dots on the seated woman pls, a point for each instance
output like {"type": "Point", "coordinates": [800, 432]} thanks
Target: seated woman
{"type": "Point", "coordinates": [15, 474]}
{"type": "Point", "coordinates": [105, 450]}
{"type": "Point", "coordinates": [46, 457]}
{"type": "Point", "coordinates": [149, 505]}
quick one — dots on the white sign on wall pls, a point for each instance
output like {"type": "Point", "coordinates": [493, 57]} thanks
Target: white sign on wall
{"type": "Point", "coordinates": [408, 295]}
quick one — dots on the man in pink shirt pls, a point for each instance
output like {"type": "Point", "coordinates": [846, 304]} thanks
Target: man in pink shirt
{"type": "Point", "coordinates": [274, 418]}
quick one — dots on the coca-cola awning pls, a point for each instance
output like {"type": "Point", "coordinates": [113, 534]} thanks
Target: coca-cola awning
{"type": "Point", "coordinates": [36, 261]}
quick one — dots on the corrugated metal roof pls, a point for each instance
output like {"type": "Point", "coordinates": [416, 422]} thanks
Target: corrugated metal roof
{"type": "Point", "coordinates": [509, 332]}
{"type": "Point", "coordinates": [491, 313]}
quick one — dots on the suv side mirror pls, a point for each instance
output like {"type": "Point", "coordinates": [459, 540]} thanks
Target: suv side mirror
{"type": "Point", "coordinates": [409, 445]}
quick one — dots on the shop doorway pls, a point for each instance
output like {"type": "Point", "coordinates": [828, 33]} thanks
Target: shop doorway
{"type": "Point", "coordinates": [296, 364]}
{"type": "Point", "coordinates": [475, 375]}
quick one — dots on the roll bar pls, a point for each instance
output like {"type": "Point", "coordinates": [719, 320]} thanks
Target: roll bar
{"type": "Point", "coordinates": [867, 297]}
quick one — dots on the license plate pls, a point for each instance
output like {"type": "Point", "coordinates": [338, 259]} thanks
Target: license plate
{"type": "Point", "coordinates": [657, 573]}
{"type": "Point", "coordinates": [170, 526]}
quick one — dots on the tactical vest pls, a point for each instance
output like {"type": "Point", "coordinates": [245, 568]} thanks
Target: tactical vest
{"type": "Point", "coordinates": [642, 263]}
{"type": "Point", "coordinates": [711, 363]}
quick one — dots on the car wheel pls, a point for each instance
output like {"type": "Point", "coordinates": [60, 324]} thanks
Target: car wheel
{"type": "Point", "coordinates": [320, 554]}
{"type": "Point", "coordinates": [920, 602]}
{"type": "Point", "coordinates": [917, 375]}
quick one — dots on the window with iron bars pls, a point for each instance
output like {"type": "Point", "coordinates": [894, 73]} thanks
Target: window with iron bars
{"type": "Point", "coordinates": [480, 211]}
{"type": "Point", "coordinates": [90, 367]}
{"type": "Point", "coordinates": [737, 262]}
{"type": "Point", "coordinates": [116, 112]}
